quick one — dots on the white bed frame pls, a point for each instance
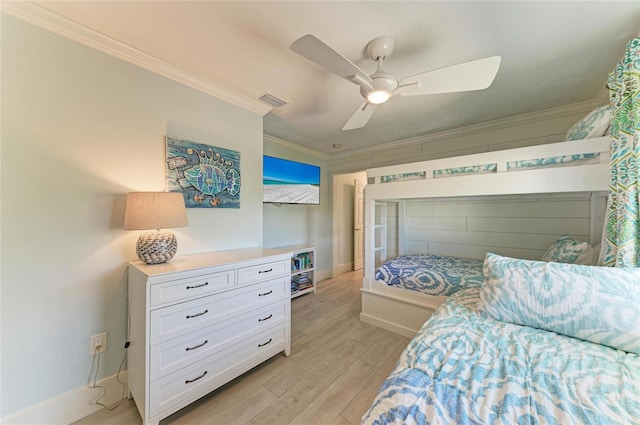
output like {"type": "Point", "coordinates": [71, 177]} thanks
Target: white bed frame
{"type": "Point", "coordinates": [404, 311]}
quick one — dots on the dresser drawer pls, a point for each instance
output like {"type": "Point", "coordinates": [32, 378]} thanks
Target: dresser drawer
{"type": "Point", "coordinates": [176, 290]}
{"type": "Point", "coordinates": [180, 319]}
{"type": "Point", "coordinates": [189, 383]}
{"type": "Point", "coordinates": [263, 271]}
{"type": "Point", "coordinates": [180, 352]}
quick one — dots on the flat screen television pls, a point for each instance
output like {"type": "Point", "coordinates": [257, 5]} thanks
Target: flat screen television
{"type": "Point", "coordinates": [290, 182]}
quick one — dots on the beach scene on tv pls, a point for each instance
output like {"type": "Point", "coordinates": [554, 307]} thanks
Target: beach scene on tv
{"type": "Point", "coordinates": [290, 182]}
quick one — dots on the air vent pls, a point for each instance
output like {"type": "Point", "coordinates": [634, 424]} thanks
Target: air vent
{"type": "Point", "coordinates": [272, 100]}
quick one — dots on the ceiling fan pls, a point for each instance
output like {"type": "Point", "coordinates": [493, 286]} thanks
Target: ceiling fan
{"type": "Point", "coordinates": [378, 87]}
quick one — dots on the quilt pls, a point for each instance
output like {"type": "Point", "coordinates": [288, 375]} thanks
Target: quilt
{"type": "Point", "coordinates": [431, 274]}
{"type": "Point", "coordinates": [466, 368]}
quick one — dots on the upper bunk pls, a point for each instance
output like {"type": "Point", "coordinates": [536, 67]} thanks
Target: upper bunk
{"type": "Point", "coordinates": [562, 167]}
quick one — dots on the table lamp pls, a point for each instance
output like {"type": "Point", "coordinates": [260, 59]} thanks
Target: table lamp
{"type": "Point", "coordinates": [155, 210]}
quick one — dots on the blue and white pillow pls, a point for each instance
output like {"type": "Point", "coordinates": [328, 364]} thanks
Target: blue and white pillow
{"type": "Point", "coordinates": [568, 250]}
{"type": "Point", "coordinates": [597, 304]}
{"type": "Point", "coordinates": [593, 125]}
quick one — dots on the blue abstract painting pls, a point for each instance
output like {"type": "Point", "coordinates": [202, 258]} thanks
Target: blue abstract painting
{"type": "Point", "coordinates": [208, 176]}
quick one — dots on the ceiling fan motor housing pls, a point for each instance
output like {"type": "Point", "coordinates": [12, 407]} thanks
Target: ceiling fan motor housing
{"type": "Point", "coordinates": [380, 47]}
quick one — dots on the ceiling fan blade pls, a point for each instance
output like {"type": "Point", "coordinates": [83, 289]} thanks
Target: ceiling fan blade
{"type": "Point", "coordinates": [361, 116]}
{"type": "Point", "coordinates": [474, 75]}
{"type": "Point", "coordinates": [319, 53]}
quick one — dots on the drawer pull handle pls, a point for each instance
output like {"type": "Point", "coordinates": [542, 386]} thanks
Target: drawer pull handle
{"type": "Point", "coordinates": [266, 293]}
{"type": "Point", "coordinates": [197, 286]}
{"type": "Point", "coordinates": [191, 316]}
{"type": "Point", "coordinates": [266, 318]}
{"type": "Point", "coordinates": [266, 343]}
{"type": "Point", "coordinates": [265, 271]}
{"type": "Point", "coordinates": [188, 381]}
{"type": "Point", "coordinates": [197, 346]}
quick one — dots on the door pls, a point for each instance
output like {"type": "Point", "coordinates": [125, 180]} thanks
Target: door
{"type": "Point", "coordinates": [358, 225]}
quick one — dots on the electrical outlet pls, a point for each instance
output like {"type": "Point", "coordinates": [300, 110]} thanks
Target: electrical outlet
{"type": "Point", "coordinates": [97, 343]}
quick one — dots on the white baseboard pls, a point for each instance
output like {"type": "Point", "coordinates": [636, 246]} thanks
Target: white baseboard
{"type": "Point", "coordinates": [389, 326]}
{"type": "Point", "coordinates": [70, 406]}
{"type": "Point", "coordinates": [323, 275]}
{"type": "Point", "coordinates": [342, 268]}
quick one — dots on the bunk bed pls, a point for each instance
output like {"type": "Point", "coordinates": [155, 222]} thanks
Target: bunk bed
{"type": "Point", "coordinates": [558, 169]}
{"type": "Point", "coordinates": [525, 344]}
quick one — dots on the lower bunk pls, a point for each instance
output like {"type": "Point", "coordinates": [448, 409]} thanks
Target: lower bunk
{"type": "Point", "coordinates": [467, 367]}
{"type": "Point", "coordinates": [408, 288]}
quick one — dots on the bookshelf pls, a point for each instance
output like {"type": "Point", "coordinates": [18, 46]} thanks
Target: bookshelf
{"type": "Point", "coordinates": [303, 274]}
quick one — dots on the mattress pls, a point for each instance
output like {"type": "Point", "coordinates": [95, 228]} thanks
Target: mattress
{"type": "Point", "coordinates": [431, 274]}
{"type": "Point", "coordinates": [465, 368]}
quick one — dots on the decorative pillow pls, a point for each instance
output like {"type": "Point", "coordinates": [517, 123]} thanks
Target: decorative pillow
{"type": "Point", "coordinates": [597, 304]}
{"type": "Point", "coordinates": [593, 125]}
{"type": "Point", "coordinates": [568, 250]}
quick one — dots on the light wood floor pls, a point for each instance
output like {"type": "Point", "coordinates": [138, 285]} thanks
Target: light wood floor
{"type": "Point", "coordinates": [336, 365]}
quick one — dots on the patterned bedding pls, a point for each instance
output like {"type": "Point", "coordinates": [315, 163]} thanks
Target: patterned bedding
{"type": "Point", "coordinates": [466, 368]}
{"type": "Point", "coordinates": [555, 161]}
{"type": "Point", "coordinates": [431, 274]}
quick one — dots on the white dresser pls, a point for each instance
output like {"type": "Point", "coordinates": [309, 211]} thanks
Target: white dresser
{"type": "Point", "coordinates": [201, 320]}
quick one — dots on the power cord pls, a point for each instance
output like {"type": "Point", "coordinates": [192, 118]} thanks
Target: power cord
{"type": "Point", "coordinates": [95, 364]}
{"type": "Point", "coordinates": [97, 368]}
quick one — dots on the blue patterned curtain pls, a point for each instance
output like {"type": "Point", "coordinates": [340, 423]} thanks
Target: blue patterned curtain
{"type": "Point", "coordinates": [621, 247]}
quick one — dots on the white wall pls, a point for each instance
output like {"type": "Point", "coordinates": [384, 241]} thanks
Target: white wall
{"type": "Point", "coordinates": [79, 130]}
{"type": "Point", "coordinates": [301, 224]}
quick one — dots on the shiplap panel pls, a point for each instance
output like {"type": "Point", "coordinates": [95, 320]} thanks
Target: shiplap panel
{"type": "Point", "coordinates": [517, 226]}
{"type": "Point", "coordinates": [494, 239]}
{"type": "Point", "coordinates": [572, 226]}
{"type": "Point", "coordinates": [436, 222]}
{"type": "Point", "coordinates": [417, 247]}
{"type": "Point", "coordinates": [479, 252]}
{"type": "Point", "coordinates": [523, 208]}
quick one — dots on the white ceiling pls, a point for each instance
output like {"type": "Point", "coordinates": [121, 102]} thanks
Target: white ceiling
{"type": "Point", "coordinates": [553, 54]}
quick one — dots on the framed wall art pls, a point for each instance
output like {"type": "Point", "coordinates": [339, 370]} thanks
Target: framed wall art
{"type": "Point", "coordinates": [208, 176]}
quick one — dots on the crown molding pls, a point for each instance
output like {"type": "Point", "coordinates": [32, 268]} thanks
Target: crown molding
{"type": "Point", "coordinates": [52, 22]}
{"type": "Point", "coordinates": [575, 108]}
{"type": "Point", "coordinates": [295, 147]}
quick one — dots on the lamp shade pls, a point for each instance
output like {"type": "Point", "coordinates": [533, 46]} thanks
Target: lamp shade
{"type": "Point", "coordinates": [154, 210]}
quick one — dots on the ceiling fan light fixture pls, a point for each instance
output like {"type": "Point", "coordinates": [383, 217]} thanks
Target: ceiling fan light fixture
{"type": "Point", "coordinates": [378, 87]}
{"type": "Point", "coordinates": [378, 96]}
